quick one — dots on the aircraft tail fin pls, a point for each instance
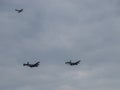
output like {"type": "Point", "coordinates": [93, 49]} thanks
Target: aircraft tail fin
{"type": "Point", "coordinates": [27, 62]}
{"type": "Point", "coordinates": [16, 10]}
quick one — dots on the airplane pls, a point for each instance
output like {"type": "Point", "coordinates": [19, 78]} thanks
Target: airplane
{"type": "Point", "coordinates": [32, 65]}
{"type": "Point", "coordinates": [19, 11]}
{"type": "Point", "coordinates": [73, 63]}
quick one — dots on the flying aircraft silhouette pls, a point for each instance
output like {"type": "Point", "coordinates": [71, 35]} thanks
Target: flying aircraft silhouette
{"type": "Point", "coordinates": [19, 11]}
{"type": "Point", "coordinates": [32, 65]}
{"type": "Point", "coordinates": [73, 63]}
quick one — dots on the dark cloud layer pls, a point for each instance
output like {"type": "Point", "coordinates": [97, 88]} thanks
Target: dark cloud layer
{"type": "Point", "coordinates": [54, 31]}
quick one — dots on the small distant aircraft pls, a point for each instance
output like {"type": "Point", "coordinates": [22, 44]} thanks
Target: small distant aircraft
{"type": "Point", "coordinates": [32, 65]}
{"type": "Point", "coordinates": [19, 11]}
{"type": "Point", "coordinates": [73, 63]}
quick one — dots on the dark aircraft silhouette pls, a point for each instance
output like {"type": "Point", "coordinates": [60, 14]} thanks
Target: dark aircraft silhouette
{"type": "Point", "coordinates": [31, 65]}
{"type": "Point", "coordinates": [19, 11]}
{"type": "Point", "coordinates": [73, 63]}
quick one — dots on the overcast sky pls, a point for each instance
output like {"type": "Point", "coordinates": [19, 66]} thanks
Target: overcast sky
{"type": "Point", "coordinates": [55, 31]}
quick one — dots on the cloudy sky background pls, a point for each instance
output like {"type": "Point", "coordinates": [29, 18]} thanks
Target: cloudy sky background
{"type": "Point", "coordinates": [54, 31]}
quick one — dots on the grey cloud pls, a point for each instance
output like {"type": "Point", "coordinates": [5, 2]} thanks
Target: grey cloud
{"type": "Point", "coordinates": [54, 32]}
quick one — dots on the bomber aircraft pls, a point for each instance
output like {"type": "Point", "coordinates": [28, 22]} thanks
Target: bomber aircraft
{"type": "Point", "coordinates": [73, 63]}
{"type": "Point", "coordinates": [19, 11]}
{"type": "Point", "coordinates": [32, 65]}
